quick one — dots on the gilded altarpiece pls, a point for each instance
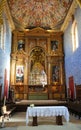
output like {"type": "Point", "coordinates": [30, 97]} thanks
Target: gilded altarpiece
{"type": "Point", "coordinates": [37, 65]}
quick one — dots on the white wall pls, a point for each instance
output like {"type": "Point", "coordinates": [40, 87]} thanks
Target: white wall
{"type": "Point", "coordinates": [73, 59]}
{"type": "Point", "coordinates": [5, 54]}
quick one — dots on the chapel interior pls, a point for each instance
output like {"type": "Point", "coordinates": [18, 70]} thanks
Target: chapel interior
{"type": "Point", "coordinates": [40, 50]}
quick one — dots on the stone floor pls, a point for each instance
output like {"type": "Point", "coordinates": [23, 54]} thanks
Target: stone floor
{"type": "Point", "coordinates": [19, 119]}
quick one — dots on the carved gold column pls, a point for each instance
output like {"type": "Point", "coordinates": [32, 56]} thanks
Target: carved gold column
{"type": "Point", "coordinates": [48, 44]}
{"type": "Point", "coordinates": [49, 70]}
{"type": "Point", "coordinates": [12, 72]}
{"type": "Point", "coordinates": [61, 74]}
{"type": "Point", "coordinates": [25, 78]}
{"type": "Point", "coordinates": [62, 80]}
{"type": "Point", "coordinates": [26, 69]}
{"type": "Point", "coordinates": [14, 42]}
{"type": "Point", "coordinates": [26, 45]}
{"type": "Point", "coordinates": [26, 72]}
{"type": "Point", "coordinates": [46, 57]}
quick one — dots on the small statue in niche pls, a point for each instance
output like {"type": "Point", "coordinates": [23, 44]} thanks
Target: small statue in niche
{"type": "Point", "coordinates": [20, 44]}
{"type": "Point", "coordinates": [43, 78]}
{"type": "Point", "coordinates": [54, 45]}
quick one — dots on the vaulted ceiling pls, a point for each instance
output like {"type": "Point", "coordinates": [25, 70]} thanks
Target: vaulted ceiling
{"type": "Point", "coordinates": [48, 14]}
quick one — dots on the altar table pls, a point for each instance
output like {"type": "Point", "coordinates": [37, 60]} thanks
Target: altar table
{"type": "Point", "coordinates": [47, 111]}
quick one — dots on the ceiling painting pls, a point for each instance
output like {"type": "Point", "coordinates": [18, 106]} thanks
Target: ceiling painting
{"type": "Point", "coordinates": [48, 14]}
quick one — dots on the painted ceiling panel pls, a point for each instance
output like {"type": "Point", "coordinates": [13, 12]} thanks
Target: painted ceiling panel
{"type": "Point", "coordinates": [48, 14]}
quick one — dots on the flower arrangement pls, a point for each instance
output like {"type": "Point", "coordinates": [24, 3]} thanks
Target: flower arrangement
{"type": "Point", "coordinates": [32, 105]}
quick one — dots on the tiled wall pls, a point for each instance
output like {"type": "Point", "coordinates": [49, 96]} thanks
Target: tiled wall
{"type": "Point", "coordinates": [73, 59]}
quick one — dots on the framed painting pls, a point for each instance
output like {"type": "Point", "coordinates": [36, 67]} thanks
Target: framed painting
{"type": "Point", "coordinates": [19, 74]}
{"type": "Point", "coordinates": [54, 45]}
{"type": "Point", "coordinates": [55, 74]}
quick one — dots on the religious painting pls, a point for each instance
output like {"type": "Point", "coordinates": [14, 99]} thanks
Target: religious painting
{"type": "Point", "coordinates": [19, 74]}
{"type": "Point", "coordinates": [54, 45]}
{"type": "Point", "coordinates": [55, 73]}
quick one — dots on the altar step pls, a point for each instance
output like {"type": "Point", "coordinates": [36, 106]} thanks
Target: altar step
{"type": "Point", "coordinates": [21, 106]}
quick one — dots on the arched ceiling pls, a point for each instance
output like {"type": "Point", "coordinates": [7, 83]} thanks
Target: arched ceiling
{"type": "Point", "coordinates": [48, 14]}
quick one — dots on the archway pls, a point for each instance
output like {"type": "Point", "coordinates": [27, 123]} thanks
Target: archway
{"type": "Point", "coordinates": [37, 74]}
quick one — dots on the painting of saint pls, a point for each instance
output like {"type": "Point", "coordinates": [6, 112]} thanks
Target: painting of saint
{"type": "Point", "coordinates": [19, 74]}
{"type": "Point", "coordinates": [55, 74]}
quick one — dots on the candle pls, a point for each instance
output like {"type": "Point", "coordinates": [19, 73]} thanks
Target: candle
{"type": "Point", "coordinates": [4, 100]}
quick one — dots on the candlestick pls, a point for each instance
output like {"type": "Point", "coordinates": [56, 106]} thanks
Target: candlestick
{"type": "Point", "coordinates": [4, 100]}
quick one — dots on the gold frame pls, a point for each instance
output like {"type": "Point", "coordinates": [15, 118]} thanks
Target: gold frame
{"type": "Point", "coordinates": [19, 74]}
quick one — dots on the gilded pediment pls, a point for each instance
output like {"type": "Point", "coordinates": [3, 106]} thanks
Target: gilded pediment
{"type": "Point", "coordinates": [38, 31]}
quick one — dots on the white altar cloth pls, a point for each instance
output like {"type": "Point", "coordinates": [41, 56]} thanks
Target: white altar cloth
{"type": "Point", "coordinates": [47, 111]}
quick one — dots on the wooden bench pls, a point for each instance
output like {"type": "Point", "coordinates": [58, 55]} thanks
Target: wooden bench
{"type": "Point", "coordinates": [4, 113]}
{"type": "Point", "coordinates": [74, 106]}
{"type": "Point", "coordinates": [78, 92]}
{"type": "Point", "coordinates": [7, 113]}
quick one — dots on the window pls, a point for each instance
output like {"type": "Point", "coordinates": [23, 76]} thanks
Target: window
{"type": "Point", "coordinates": [1, 36]}
{"type": "Point", "coordinates": [74, 36]}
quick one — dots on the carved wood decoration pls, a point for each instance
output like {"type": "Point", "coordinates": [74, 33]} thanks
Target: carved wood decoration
{"type": "Point", "coordinates": [37, 61]}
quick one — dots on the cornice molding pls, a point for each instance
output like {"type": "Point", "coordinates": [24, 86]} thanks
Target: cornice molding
{"type": "Point", "coordinates": [69, 15]}
{"type": "Point", "coordinates": [2, 3]}
{"type": "Point", "coordinates": [79, 2]}
{"type": "Point", "coordinates": [7, 12]}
